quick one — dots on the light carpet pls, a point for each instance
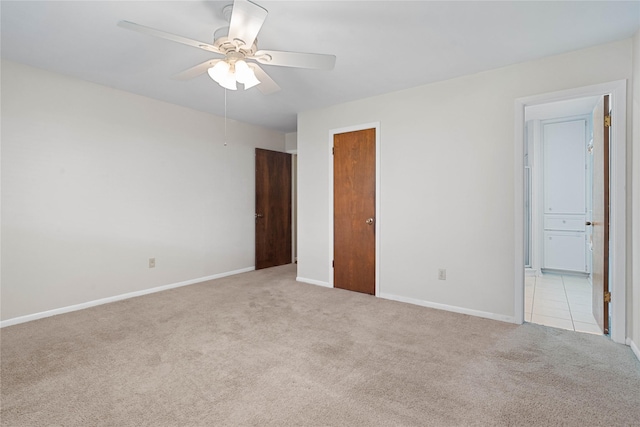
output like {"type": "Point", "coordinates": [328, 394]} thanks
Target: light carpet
{"type": "Point", "coordinates": [262, 349]}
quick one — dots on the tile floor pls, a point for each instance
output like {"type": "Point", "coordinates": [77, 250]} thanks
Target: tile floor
{"type": "Point", "coordinates": [560, 301]}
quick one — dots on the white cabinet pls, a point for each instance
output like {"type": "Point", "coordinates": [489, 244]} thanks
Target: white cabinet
{"type": "Point", "coordinates": [564, 156]}
{"type": "Point", "coordinates": [564, 195]}
{"type": "Point", "coordinates": [565, 251]}
{"type": "Point", "coordinates": [564, 222]}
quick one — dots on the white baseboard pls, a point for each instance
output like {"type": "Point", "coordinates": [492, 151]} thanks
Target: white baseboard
{"type": "Point", "coordinates": [486, 315]}
{"type": "Point", "coordinates": [477, 313]}
{"type": "Point", "coordinates": [313, 282]}
{"type": "Point", "coordinates": [634, 347]}
{"type": "Point", "coordinates": [76, 307]}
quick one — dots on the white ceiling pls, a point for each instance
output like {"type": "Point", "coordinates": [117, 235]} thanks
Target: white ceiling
{"type": "Point", "coordinates": [381, 46]}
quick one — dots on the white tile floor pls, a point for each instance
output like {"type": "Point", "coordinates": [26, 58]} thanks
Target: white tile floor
{"type": "Point", "coordinates": [560, 301]}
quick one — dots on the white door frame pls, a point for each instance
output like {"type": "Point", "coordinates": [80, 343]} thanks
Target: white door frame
{"type": "Point", "coordinates": [617, 283]}
{"type": "Point", "coordinates": [332, 132]}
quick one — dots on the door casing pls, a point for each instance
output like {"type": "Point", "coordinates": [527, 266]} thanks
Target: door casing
{"type": "Point", "coordinates": [617, 284]}
{"type": "Point", "coordinates": [332, 132]}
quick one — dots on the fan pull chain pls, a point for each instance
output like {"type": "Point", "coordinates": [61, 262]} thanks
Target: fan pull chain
{"type": "Point", "coordinates": [225, 117]}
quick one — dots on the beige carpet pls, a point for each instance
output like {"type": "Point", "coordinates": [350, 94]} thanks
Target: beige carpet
{"type": "Point", "coordinates": [261, 349]}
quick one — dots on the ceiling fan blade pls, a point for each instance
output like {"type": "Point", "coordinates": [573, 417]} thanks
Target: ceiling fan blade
{"type": "Point", "coordinates": [267, 85]}
{"type": "Point", "coordinates": [295, 59]}
{"type": "Point", "coordinates": [196, 71]}
{"type": "Point", "coordinates": [246, 20]}
{"type": "Point", "coordinates": [164, 35]}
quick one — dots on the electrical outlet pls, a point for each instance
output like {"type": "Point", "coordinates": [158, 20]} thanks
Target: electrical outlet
{"type": "Point", "coordinates": [442, 274]}
{"type": "Point", "coordinates": [152, 262]}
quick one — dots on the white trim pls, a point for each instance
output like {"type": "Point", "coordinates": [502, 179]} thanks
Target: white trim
{"type": "Point", "coordinates": [618, 90]}
{"type": "Point", "coordinates": [332, 132]}
{"type": "Point", "coordinates": [634, 347]}
{"type": "Point", "coordinates": [452, 308]}
{"type": "Point", "coordinates": [314, 282]}
{"type": "Point", "coordinates": [618, 213]}
{"type": "Point", "coordinates": [531, 272]}
{"type": "Point", "coordinates": [518, 209]}
{"type": "Point", "coordinates": [294, 206]}
{"type": "Point", "coordinates": [82, 306]}
{"type": "Point", "coordinates": [535, 154]}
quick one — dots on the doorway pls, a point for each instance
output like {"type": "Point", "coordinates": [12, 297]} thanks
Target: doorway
{"type": "Point", "coordinates": [616, 274]}
{"type": "Point", "coordinates": [558, 167]}
{"type": "Point", "coordinates": [354, 208]}
{"type": "Point", "coordinates": [273, 228]}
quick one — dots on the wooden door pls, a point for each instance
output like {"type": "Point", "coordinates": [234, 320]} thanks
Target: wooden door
{"type": "Point", "coordinates": [600, 218]}
{"type": "Point", "coordinates": [354, 211]}
{"type": "Point", "coordinates": [273, 208]}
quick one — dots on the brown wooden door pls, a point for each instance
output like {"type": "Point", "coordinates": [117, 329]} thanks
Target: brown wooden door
{"type": "Point", "coordinates": [354, 200]}
{"type": "Point", "coordinates": [273, 208]}
{"type": "Point", "coordinates": [600, 217]}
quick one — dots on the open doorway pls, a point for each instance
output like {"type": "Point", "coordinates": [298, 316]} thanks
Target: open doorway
{"type": "Point", "coordinates": [617, 163]}
{"type": "Point", "coordinates": [558, 165]}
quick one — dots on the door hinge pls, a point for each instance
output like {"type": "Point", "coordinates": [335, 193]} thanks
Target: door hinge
{"type": "Point", "coordinates": [333, 150]}
{"type": "Point", "coordinates": [333, 263]}
{"type": "Point", "coordinates": [607, 121]}
{"type": "Point", "coordinates": [607, 296]}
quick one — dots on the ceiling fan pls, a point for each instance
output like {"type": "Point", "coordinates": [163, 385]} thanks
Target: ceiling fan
{"type": "Point", "coordinates": [238, 43]}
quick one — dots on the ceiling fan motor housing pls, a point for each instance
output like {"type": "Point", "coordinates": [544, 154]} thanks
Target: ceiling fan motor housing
{"type": "Point", "coordinates": [233, 49]}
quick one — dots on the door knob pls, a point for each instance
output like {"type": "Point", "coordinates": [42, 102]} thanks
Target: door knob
{"type": "Point", "coordinates": [259, 215]}
{"type": "Point", "coordinates": [369, 221]}
{"type": "Point", "coordinates": [588, 223]}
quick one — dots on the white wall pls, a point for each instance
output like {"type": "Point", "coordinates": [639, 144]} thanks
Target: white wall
{"type": "Point", "coordinates": [95, 181]}
{"type": "Point", "coordinates": [447, 164]}
{"type": "Point", "coordinates": [291, 142]}
{"type": "Point", "coordinates": [635, 188]}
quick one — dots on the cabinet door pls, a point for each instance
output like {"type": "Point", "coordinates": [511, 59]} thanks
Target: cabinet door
{"type": "Point", "coordinates": [564, 176]}
{"type": "Point", "coordinates": [565, 251]}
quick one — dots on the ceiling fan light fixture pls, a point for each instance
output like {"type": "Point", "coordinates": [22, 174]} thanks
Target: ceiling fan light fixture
{"type": "Point", "coordinates": [229, 82]}
{"type": "Point", "coordinates": [245, 75]}
{"type": "Point", "coordinates": [251, 83]}
{"type": "Point", "coordinates": [219, 71]}
{"type": "Point", "coordinates": [226, 74]}
{"type": "Point", "coordinates": [243, 72]}
{"type": "Point", "coordinates": [222, 74]}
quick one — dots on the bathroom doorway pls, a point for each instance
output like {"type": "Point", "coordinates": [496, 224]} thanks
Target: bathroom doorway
{"type": "Point", "coordinates": [558, 165]}
{"type": "Point", "coordinates": [616, 295]}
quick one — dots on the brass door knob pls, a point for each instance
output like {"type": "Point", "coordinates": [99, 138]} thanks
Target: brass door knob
{"type": "Point", "coordinates": [369, 221]}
